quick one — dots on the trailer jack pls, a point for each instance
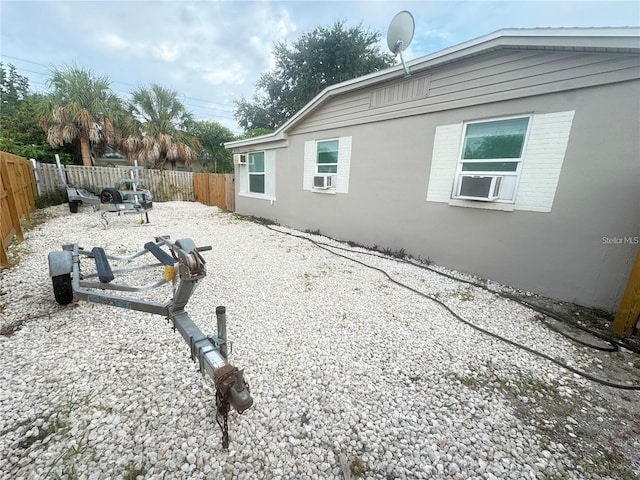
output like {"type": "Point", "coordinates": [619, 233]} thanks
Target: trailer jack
{"type": "Point", "coordinates": [184, 266]}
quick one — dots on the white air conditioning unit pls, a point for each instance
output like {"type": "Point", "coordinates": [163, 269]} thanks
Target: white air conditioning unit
{"type": "Point", "coordinates": [240, 158]}
{"type": "Point", "coordinates": [323, 181]}
{"type": "Point", "coordinates": [485, 188]}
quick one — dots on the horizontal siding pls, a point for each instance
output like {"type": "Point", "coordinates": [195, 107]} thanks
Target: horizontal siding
{"type": "Point", "coordinates": [495, 76]}
{"type": "Point", "coordinates": [529, 77]}
{"type": "Point", "coordinates": [561, 66]}
{"type": "Point", "coordinates": [353, 103]}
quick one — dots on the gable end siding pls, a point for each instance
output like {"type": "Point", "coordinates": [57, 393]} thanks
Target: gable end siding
{"type": "Point", "coordinates": [495, 76]}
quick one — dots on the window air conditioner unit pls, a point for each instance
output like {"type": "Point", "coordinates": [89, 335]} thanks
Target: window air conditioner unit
{"type": "Point", "coordinates": [479, 187]}
{"type": "Point", "coordinates": [324, 181]}
{"type": "Point", "coordinates": [241, 159]}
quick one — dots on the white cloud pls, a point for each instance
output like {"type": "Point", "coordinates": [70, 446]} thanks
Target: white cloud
{"type": "Point", "coordinates": [113, 41]}
{"type": "Point", "coordinates": [114, 44]}
{"type": "Point", "coordinates": [166, 52]}
{"type": "Point", "coordinates": [234, 74]}
{"type": "Point", "coordinates": [216, 51]}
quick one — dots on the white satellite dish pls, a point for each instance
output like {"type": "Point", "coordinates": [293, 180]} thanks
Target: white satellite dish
{"type": "Point", "coordinates": [400, 34]}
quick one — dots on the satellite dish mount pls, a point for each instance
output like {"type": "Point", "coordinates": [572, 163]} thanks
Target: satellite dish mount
{"type": "Point", "coordinates": [400, 34]}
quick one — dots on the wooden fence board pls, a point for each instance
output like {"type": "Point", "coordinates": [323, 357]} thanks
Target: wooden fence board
{"type": "Point", "coordinates": [165, 185]}
{"type": "Point", "coordinates": [231, 192]}
{"type": "Point", "coordinates": [7, 219]}
{"type": "Point", "coordinates": [214, 189]}
{"type": "Point", "coordinates": [17, 199]}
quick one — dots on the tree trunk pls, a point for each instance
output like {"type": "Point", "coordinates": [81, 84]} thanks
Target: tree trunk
{"type": "Point", "coordinates": [162, 159]}
{"type": "Point", "coordinates": [85, 149]}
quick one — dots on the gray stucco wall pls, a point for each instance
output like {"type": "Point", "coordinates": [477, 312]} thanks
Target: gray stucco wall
{"type": "Point", "coordinates": [560, 254]}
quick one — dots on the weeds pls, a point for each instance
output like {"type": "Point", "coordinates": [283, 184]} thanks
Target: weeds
{"type": "Point", "coordinates": [132, 471]}
{"type": "Point", "coordinates": [357, 466]}
{"type": "Point", "coordinates": [259, 220]}
{"type": "Point", "coordinates": [70, 462]}
{"type": "Point", "coordinates": [464, 294]}
{"type": "Point", "coordinates": [54, 197]}
{"type": "Point", "coordinates": [542, 405]}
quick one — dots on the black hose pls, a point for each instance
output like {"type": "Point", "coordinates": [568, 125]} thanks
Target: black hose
{"type": "Point", "coordinates": [614, 344]}
{"type": "Point", "coordinates": [458, 317]}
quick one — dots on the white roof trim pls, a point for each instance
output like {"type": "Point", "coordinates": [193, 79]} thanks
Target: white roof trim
{"type": "Point", "coordinates": [560, 37]}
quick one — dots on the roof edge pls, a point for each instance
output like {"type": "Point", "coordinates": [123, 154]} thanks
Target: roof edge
{"type": "Point", "coordinates": [440, 56]}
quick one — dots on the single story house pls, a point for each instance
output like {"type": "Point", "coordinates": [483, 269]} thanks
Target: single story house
{"type": "Point", "coordinates": [514, 157]}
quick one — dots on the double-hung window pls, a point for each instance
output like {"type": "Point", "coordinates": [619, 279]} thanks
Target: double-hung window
{"type": "Point", "coordinates": [326, 164]}
{"type": "Point", "coordinates": [491, 159]}
{"type": "Point", "coordinates": [327, 157]}
{"type": "Point", "coordinates": [256, 172]}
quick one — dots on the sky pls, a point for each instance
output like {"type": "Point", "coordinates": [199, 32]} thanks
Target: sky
{"type": "Point", "coordinates": [212, 52]}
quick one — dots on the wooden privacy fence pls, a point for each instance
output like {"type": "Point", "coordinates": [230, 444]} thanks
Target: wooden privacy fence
{"type": "Point", "coordinates": [215, 189]}
{"type": "Point", "coordinates": [20, 185]}
{"type": "Point", "coordinates": [17, 199]}
{"type": "Point", "coordinates": [165, 185]}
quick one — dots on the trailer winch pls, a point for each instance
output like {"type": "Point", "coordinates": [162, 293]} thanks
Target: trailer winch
{"type": "Point", "coordinates": [184, 266]}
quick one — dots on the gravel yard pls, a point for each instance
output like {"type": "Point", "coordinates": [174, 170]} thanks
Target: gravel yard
{"type": "Point", "coordinates": [352, 375]}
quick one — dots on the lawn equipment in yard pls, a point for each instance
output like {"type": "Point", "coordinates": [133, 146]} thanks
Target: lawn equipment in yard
{"type": "Point", "coordinates": [184, 266]}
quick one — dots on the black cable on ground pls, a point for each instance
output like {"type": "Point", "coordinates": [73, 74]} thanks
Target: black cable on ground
{"type": "Point", "coordinates": [614, 344]}
{"type": "Point", "coordinates": [459, 318]}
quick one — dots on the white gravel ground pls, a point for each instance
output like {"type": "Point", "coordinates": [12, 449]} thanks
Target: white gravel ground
{"type": "Point", "coordinates": [352, 375]}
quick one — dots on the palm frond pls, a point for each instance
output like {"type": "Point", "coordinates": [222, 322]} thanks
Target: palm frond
{"type": "Point", "coordinates": [69, 133]}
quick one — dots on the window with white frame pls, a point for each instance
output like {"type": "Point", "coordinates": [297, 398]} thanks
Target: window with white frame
{"type": "Point", "coordinates": [327, 163]}
{"type": "Point", "coordinates": [327, 156]}
{"type": "Point", "coordinates": [491, 159]}
{"type": "Point", "coordinates": [256, 172]}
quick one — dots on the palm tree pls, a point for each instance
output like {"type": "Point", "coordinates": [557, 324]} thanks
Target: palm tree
{"type": "Point", "coordinates": [163, 121]}
{"type": "Point", "coordinates": [78, 108]}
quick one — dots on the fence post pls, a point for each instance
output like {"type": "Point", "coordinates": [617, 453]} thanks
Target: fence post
{"type": "Point", "coordinates": [629, 311]}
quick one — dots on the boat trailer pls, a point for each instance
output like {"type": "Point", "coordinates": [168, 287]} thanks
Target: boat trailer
{"type": "Point", "coordinates": [184, 266]}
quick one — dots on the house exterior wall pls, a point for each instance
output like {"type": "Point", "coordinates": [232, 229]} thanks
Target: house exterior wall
{"type": "Point", "coordinates": [569, 252]}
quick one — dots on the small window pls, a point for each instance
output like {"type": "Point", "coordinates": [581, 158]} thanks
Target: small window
{"type": "Point", "coordinates": [491, 159]}
{"type": "Point", "coordinates": [256, 172]}
{"type": "Point", "coordinates": [327, 156]}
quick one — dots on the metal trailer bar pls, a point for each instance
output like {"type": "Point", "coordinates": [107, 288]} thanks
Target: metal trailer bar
{"type": "Point", "coordinates": [209, 352]}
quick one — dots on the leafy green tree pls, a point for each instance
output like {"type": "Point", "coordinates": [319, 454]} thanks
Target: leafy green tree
{"type": "Point", "coordinates": [20, 132]}
{"type": "Point", "coordinates": [256, 132]}
{"type": "Point", "coordinates": [13, 87]}
{"type": "Point", "coordinates": [79, 108]}
{"type": "Point", "coordinates": [158, 132]}
{"type": "Point", "coordinates": [212, 136]}
{"type": "Point", "coordinates": [317, 60]}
